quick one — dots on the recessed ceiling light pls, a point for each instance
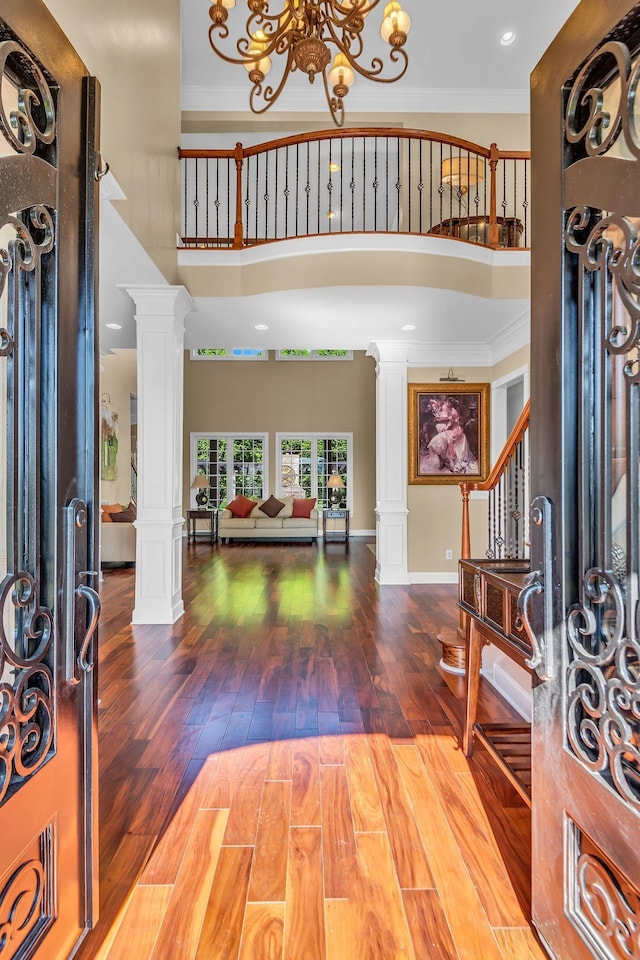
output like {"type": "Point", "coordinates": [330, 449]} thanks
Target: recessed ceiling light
{"type": "Point", "coordinates": [334, 167]}
{"type": "Point", "coordinates": [507, 38]}
{"type": "Point", "coordinates": [330, 214]}
{"type": "Point", "coordinates": [114, 326]}
{"type": "Point", "coordinates": [261, 326]}
{"type": "Point", "coordinates": [408, 326]}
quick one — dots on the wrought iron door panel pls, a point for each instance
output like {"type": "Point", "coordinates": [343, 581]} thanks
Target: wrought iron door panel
{"type": "Point", "coordinates": [27, 898]}
{"type": "Point", "coordinates": [600, 232]}
{"type": "Point", "coordinates": [27, 222]}
{"type": "Point", "coordinates": [47, 425]}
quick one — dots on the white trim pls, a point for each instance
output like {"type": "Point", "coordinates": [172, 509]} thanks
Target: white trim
{"type": "Point", "coordinates": [354, 243]}
{"type": "Point", "coordinates": [196, 435]}
{"type": "Point", "coordinates": [515, 335]}
{"type": "Point", "coordinates": [433, 577]}
{"type": "Point", "coordinates": [227, 99]}
{"type": "Point", "coordinates": [313, 436]}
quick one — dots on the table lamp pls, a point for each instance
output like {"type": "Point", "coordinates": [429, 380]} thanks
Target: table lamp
{"type": "Point", "coordinates": [336, 485]}
{"type": "Point", "coordinates": [201, 484]}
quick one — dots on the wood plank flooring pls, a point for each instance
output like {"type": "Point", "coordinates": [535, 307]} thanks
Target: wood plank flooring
{"type": "Point", "coordinates": [280, 775]}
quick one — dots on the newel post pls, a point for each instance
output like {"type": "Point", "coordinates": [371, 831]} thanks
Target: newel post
{"type": "Point", "coordinates": [237, 229]}
{"type": "Point", "coordinates": [494, 228]}
{"type": "Point", "coordinates": [465, 548]}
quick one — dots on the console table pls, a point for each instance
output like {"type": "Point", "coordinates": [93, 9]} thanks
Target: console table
{"type": "Point", "coordinates": [488, 594]}
{"type": "Point", "coordinates": [334, 513]}
{"type": "Point", "coordinates": [211, 516]}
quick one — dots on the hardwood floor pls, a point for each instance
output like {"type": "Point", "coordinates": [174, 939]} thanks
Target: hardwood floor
{"type": "Point", "coordinates": [280, 775]}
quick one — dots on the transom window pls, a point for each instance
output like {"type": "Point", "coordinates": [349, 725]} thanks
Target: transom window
{"type": "Point", "coordinates": [307, 461]}
{"type": "Point", "coordinates": [233, 464]}
{"type": "Point", "coordinates": [231, 353]}
{"type": "Point", "coordinates": [314, 354]}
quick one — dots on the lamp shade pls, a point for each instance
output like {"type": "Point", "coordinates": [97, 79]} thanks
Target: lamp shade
{"type": "Point", "coordinates": [335, 482]}
{"type": "Point", "coordinates": [463, 171]}
{"type": "Point", "coordinates": [341, 75]}
{"type": "Point", "coordinates": [395, 25]}
{"type": "Point", "coordinates": [201, 482]}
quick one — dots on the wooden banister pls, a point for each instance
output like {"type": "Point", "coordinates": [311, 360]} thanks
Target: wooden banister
{"type": "Point", "coordinates": [516, 435]}
{"type": "Point", "coordinates": [412, 161]}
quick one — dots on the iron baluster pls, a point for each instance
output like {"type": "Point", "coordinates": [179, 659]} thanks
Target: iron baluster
{"type": "Point", "coordinates": [398, 183]}
{"type": "Point", "coordinates": [266, 195]}
{"type": "Point", "coordinates": [409, 185]}
{"type": "Point", "coordinates": [318, 188]}
{"type": "Point", "coordinates": [297, 185]}
{"type": "Point", "coordinates": [308, 187]}
{"type": "Point", "coordinates": [196, 204]}
{"type": "Point", "coordinates": [341, 181]}
{"type": "Point", "coordinates": [375, 185]}
{"type": "Point", "coordinates": [353, 182]}
{"type": "Point", "coordinates": [286, 192]}
{"type": "Point", "coordinates": [216, 204]}
{"type": "Point", "coordinates": [185, 173]}
{"type": "Point", "coordinates": [387, 184]}
{"type": "Point", "coordinates": [275, 198]}
{"type": "Point", "coordinates": [247, 201]}
{"type": "Point", "coordinates": [364, 184]}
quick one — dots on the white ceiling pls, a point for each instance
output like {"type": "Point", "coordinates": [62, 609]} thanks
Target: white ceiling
{"type": "Point", "coordinates": [454, 58]}
{"type": "Point", "coordinates": [456, 64]}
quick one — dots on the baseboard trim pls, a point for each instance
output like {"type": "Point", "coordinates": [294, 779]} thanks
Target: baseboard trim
{"type": "Point", "coordinates": [434, 577]}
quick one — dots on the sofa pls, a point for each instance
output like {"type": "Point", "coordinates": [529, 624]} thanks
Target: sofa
{"type": "Point", "coordinates": [272, 519]}
{"type": "Point", "coordinates": [117, 536]}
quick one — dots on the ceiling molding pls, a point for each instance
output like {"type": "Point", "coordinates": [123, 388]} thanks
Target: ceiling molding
{"type": "Point", "coordinates": [515, 335]}
{"type": "Point", "coordinates": [231, 99]}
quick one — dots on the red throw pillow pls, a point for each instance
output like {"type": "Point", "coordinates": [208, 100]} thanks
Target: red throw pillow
{"type": "Point", "coordinates": [241, 506]}
{"type": "Point", "coordinates": [303, 508]}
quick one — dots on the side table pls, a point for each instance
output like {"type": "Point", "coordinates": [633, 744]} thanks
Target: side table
{"type": "Point", "coordinates": [332, 513]}
{"type": "Point", "coordinates": [209, 515]}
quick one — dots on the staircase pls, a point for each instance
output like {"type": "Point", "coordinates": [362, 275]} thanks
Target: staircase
{"type": "Point", "coordinates": [507, 487]}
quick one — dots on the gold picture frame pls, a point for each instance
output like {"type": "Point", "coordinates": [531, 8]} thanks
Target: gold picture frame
{"type": "Point", "coordinates": [448, 432]}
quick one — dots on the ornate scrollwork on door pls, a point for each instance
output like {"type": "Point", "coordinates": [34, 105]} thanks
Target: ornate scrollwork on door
{"type": "Point", "coordinates": [602, 231]}
{"type": "Point", "coordinates": [27, 900]}
{"type": "Point", "coordinates": [28, 178]}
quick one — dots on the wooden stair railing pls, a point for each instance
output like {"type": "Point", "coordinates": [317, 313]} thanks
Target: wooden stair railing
{"type": "Point", "coordinates": [361, 180]}
{"type": "Point", "coordinates": [507, 515]}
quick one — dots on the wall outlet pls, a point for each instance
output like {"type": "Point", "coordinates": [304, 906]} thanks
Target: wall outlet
{"type": "Point", "coordinates": [448, 555]}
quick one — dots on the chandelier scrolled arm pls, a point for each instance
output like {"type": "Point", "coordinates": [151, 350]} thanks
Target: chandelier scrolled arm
{"type": "Point", "coordinates": [302, 35]}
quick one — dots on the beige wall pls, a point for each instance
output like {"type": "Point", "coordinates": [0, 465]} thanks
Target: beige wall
{"type": "Point", "coordinates": [279, 396]}
{"type": "Point", "coordinates": [134, 50]}
{"type": "Point", "coordinates": [509, 130]}
{"type": "Point", "coordinates": [435, 510]}
{"type": "Point", "coordinates": [118, 382]}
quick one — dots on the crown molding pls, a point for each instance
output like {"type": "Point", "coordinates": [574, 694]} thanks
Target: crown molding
{"type": "Point", "coordinates": [515, 335]}
{"type": "Point", "coordinates": [443, 354]}
{"type": "Point", "coordinates": [233, 99]}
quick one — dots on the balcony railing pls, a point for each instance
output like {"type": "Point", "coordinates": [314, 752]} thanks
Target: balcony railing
{"type": "Point", "coordinates": [356, 181]}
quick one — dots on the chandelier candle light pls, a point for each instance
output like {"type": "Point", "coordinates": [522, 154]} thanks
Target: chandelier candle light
{"type": "Point", "coordinates": [304, 34]}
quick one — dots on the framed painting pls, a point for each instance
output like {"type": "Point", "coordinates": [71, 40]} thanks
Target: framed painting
{"type": "Point", "coordinates": [448, 432]}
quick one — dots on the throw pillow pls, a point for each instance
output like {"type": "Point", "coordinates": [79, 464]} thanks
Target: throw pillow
{"type": "Point", "coordinates": [272, 507]}
{"type": "Point", "coordinates": [303, 508]}
{"type": "Point", "coordinates": [241, 506]}
{"type": "Point", "coordinates": [125, 516]}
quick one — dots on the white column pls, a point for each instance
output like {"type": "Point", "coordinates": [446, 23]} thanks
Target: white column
{"type": "Point", "coordinates": [160, 313]}
{"type": "Point", "coordinates": [391, 463]}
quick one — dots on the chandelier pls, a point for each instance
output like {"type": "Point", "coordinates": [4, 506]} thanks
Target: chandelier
{"type": "Point", "coordinates": [305, 34]}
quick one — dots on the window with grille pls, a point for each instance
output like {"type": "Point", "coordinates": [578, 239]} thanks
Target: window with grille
{"type": "Point", "coordinates": [234, 464]}
{"type": "Point", "coordinates": [306, 462]}
{"type": "Point", "coordinates": [231, 353]}
{"type": "Point", "coordinates": [314, 354]}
